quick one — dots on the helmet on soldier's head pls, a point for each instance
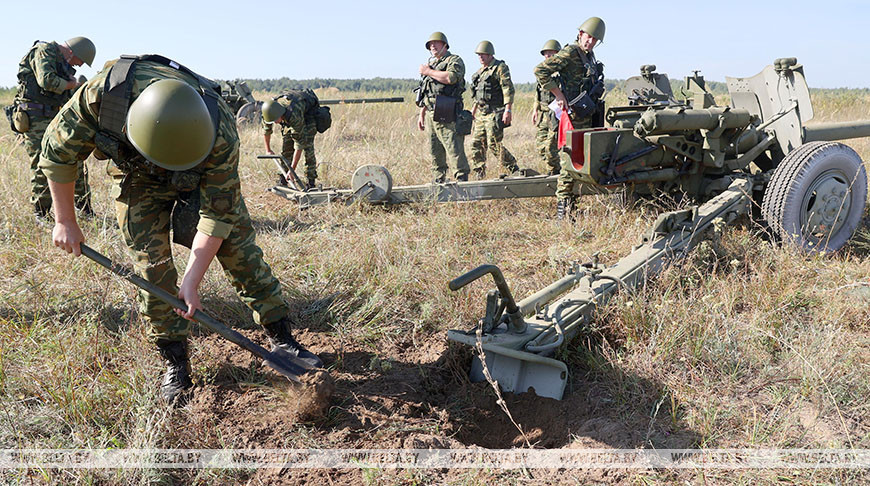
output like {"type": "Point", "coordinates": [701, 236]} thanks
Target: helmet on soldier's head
{"type": "Point", "coordinates": [438, 36]}
{"type": "Point", "coordinates": [594, 26]}
{"type": "Point", "coordinates": [485, 47]}
{"type": "Point", "coordinates": [83, 48]}
{"type": "Point", "coordinates": [551, 45]}
{"type": "Point", "coordinates": [272, 110]}
{"type": "Point", "coordinates": [169, 124]}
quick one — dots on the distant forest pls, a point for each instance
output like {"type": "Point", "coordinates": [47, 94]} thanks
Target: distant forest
{"type": "Point", "coordinates": [395, 85]}
{"type": "Point", "coordinates": [376, 85]}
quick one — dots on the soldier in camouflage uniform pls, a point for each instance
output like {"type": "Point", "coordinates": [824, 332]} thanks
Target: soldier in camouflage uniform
{"type": "Point", "coordinates": [579, 73]}
{"type": "Point", "coordinates": [493, 93]}
{"type": "Point", "coordinates": [443, 76]}
{"type": "Point", "coordinates": [46, 80]}
{"type": "Point", "coordinates": [181, 139]}
{"type": "Point", "coordinates": [542, 116]}
{"type": "Point", "coordinates": [298, 128]}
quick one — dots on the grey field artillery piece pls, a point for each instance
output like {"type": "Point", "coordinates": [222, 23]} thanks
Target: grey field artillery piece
{"type": "Point", "coordinates": [812, 193]}
{"type": "Point", "coordinates": [247, 108]}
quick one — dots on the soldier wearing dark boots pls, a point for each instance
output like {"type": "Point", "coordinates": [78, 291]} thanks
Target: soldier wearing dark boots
{"type": "Point", "coordinates": [169, 135]}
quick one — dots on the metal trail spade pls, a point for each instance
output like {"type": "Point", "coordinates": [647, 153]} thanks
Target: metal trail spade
{"type": "Point", "coordinates": [278, 362]}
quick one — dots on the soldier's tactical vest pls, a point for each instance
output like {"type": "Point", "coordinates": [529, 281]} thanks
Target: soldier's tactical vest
{"type": "Point", "coordinates": [584, 82]}
{"type": "Point", "coordinates": [313, 112]}
{"type": "Point", "coordinates": [434, 88]}
{"type": "Point", "coordinates": [110, 139]}
{"type": "Point", "coordinates": [485, 89]}
{"type": "Point", "coordinates": [28, 87]}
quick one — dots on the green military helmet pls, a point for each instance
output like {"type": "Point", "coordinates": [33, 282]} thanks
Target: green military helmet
{"type": "Point", "coordinates": [438, 36]}
{"type": "Point", "coordinates": [272, 110]}
{"type": "Point", "coordinates": [83, 48]}
{"type": "Point", "coordinates": [551, 45]}
{"type": "Point", "coordinates": [485, 47]}
{"type": "Point", "coordinates": [594, 26]}
{"type": "Point", "coordinates": [169, 124]}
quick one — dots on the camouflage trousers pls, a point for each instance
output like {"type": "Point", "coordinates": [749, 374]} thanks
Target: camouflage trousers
{"type": "Point", "coordinates": [144, 204]}
{"type": "Point", "coordinates": [545, 139]}
{"type": "Point", "coordinates": [567, 177]}
{"type": "Point", "coordinates": [40, 196]}
{"type": "Point", "coordinates": [488, 134]}
{"type": "Point", "coordinates": [301, 141]}
{"type": "Point", "coordinates": [445, 143]}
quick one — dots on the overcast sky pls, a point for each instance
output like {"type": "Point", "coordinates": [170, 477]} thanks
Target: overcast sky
{"type": "Point", "coordinates": [363, 39]}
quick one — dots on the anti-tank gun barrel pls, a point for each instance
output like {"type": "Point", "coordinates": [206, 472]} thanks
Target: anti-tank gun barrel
{"type": "Point", "coordinates": [355, 101]}
{"type": "Point", "coordinates": [822, 132]}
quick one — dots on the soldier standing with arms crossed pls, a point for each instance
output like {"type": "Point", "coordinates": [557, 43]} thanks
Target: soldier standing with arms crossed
{"type": "Point", "coordinates": [579, 73]}
{"type": "Point", "coordinates": [441, 93]}
{"type": "Point", "coordinates": [493, 93]}
{"type": "Point", "coordinates": [542, 116]}
{"type": "Point", "coordinates": [46, 80]}
{"type": "Point", "coordinates": [168, 133]}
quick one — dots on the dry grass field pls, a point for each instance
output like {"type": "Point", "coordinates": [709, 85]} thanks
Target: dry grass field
{"type": "Point", "coordinates": [744, 344]}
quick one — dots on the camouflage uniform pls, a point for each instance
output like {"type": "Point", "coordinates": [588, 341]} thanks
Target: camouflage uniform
{"type": "Point", "coordinates": [444, 142]}
{"type": "Point", "coordinates": [145, 195]}
{"type": "Point", "coordinates": [492, 89]}
{"type": "Point", "coordinates": [548, 129]}
{"type": "Point", "coordinates": [576, 73]}
{"type": "Point", "coordinates": [298, 128]}
{"type": "Point", "coordinates": [43, 74]}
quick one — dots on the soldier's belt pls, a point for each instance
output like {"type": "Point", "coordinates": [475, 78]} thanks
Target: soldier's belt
{"type": "Point", "coordinates": [39, 108]}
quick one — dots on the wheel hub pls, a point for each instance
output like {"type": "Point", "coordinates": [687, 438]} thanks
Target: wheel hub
{"type": "Point", "coordinates": [826, 205]}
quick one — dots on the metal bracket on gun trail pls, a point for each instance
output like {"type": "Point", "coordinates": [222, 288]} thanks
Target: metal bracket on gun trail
{"type": "Point", "coordinates": [285, 364]}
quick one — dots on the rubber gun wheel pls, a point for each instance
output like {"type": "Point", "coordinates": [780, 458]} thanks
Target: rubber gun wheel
{"type": "Point", "coordinates": [816, 196]}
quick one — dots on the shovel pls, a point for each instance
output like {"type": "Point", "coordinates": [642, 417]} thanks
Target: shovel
{"type": "Point", "coordinates": [278, 362]}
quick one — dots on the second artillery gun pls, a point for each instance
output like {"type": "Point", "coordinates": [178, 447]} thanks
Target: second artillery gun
{"type": "Point", "coordinates": [812, 193]}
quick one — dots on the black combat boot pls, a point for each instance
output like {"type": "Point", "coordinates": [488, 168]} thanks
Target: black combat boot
{"type": "Point", "coordinates": [312, 183]}
{"type": "Point", "coordinates": [176, 382]}
{"type": "Point", "coordinates": [555, 170]}
{"type": "Point", "coordinates": [565, 208]}
{"type": "Point", "coordinates": [462, 178]}
{"type": "Point", "coordinates": [282, 342]}
{"type": "Point", "coordinates": [480, 173]}
{"type": "Point", "coordinates": [440, 179]}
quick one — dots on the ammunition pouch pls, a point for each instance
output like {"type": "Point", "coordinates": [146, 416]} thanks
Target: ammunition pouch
{"type": "Point", "coordinates": [19, 120]}
{"type": "Point", "coordinates": [185, 217]}
{"type": "Point", "coordinates": [499, 118]}
{"type": "Point", "coordinates": [463, 122]}
{"type": "Point", "coordinates": [322, 118]}
{"type": "Point", "coordinates": [584, 106]}
{"type": "Point", "coordinates": [445, 109]}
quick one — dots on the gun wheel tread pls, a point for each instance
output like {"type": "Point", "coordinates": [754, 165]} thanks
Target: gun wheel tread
{"type": "Point", "coordinates": [796, 175]}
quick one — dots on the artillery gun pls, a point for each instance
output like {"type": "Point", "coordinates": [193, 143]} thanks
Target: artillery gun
{"type": "Point", "coordinates": [250, 111]}
{"type": "Point", "coordinates": [812, 193]}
